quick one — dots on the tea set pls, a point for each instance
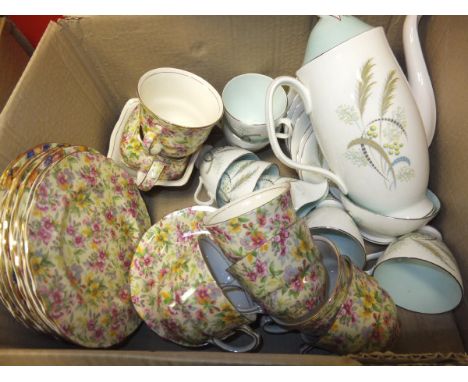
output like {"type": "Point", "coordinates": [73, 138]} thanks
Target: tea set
{"type": "Point", "coordinates": [286, 253]}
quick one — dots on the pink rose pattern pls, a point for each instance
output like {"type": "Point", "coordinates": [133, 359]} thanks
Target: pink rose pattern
{"type": "Point", "coordinates": [176, 141]}
{"type": "Point", "coordinates": [89, 211]}
{"type": "Point", "coordinates": [243, 234]}
{"type": "Point", "coordinates": [172, 288]}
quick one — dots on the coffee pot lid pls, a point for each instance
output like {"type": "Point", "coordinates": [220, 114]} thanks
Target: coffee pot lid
{"type": "Point", "coordinates": [331, 31]}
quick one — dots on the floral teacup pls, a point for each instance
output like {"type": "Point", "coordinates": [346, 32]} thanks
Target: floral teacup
{"type": "Point", "coordinates": [279, 262]}
{"type": "Point", "coordinates": [174, 291]}
{"type": "Point", "coordinates": [179, 108]}
{"type": "Point", "coordinates": [150, 168]}
{"type": "Point", "coordinates": [247, 223]}
{"type": "Point", "coordinates": [358, 316]}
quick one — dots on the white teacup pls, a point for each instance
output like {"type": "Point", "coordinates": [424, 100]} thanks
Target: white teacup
{"type": "Point", "coordinates": [244, 105]}
{"type": "Point", "coordinates": [234, 140]}
{"type": "Point", "coordinates": [305, 196]}
{"type": "Point", "coordinates": [420, 274]}
{"type": "Point", "coordinates": [212, 163]}
{"type": "Point", "coordinates": [331, 221]}
{"type": "Point", "coordinates": [241, 178]}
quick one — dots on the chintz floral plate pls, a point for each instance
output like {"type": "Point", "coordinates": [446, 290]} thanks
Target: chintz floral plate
{"type": "Point", "coordinates": [84, 221]}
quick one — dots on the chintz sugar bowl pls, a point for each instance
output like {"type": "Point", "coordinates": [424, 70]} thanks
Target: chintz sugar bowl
{"type": "Point", "coordinates": [180, 287]}
{"type": "Point", "coordinates": [365, 117]}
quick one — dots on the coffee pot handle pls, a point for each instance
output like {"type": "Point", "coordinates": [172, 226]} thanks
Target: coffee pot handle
{"type": "Point", "coordinates": [304, 94]}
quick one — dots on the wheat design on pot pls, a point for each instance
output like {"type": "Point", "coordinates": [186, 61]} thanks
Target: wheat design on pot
{"type": "Point", "coordinates": [383, 136]}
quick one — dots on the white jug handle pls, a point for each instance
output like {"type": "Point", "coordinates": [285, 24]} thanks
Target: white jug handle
{"type": "Point", "coordinates": [304, 94]}
{"type": "Point", "coordinates": [208, 202]}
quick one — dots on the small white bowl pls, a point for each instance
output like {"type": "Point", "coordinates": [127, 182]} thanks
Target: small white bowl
{"type": "Point", "coordinates": [381, 229]}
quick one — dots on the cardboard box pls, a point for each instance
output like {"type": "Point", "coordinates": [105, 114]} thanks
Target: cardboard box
{"type": "Point", "coordinates": [14, 55]}
{"type": "Point", "coordinates": [85, 69]}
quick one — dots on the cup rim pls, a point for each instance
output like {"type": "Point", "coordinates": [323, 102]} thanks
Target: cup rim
{"type": "Point", "coordinates": [347, 234]}
{"type": "Point", "coordinates": [251, 74]}
{"type": "Point", "coordinates": [211, 221]}
{"type": "Point", "coordinates": [191, 75]}
{"type": "Point", "coordinates": [418, 260]}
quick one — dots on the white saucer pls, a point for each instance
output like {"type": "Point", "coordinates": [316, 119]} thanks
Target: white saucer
{"type": "Point", "coordinates": [376, 238]}
{"type": "Point", "coordinates": [114, 149]}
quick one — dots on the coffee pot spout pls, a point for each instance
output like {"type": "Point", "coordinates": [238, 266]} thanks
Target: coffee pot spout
{"type": "Point", "coordinates": [418, 75]}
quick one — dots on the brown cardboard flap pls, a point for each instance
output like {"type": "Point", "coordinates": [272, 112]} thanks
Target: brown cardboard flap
{"type": "Point", "coordinates": [85, 69]}
{"type": "Point", "coordinates": [145, 358]}
{"type": "Point", "coordinates": [446, 48]}
{"type": "Point", "coordinates": [215, 47]}
{"type": "Point", "coordinates": [56, 100]}
{"type": "Point", "coordinates": [13, 60]}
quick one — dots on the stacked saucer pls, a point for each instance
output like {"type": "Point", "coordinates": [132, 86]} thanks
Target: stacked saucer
{"type": "Point", "coordinates": [71, 219]}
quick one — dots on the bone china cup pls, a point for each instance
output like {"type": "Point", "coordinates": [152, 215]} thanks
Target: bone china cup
{"type": "Point", "coordinates": [244, 104]}
{"type": "Point", "coordinates": [213, 163]}
{"type": "Point", "coordinates": [285, 275]}
{"type": "Point", "coordinates": [247, 223]}
{"type": "Point", "coordinates": [358, 316]}
{"type": "Point", "coordinates": [331, 221]}
{"type": "Point", "coordinates": [367, 124]}
{"type": "Point", "coordinates": [179, 108]}
{"type": "Point", "coordinates": [278, 261]}
{"type": "Point", "coordinates": [174, 291]}
{"type": "Point", "coordinates": [421, 274]}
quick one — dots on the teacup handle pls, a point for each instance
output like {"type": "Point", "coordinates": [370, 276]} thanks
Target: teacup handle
{"type": "Point", "coordinates": [254, 343]}
{"type": "Point", "coordinates": [147, 180]}
{"type": "Point", "coordinates": [253, 309]}
{"type": "Point", "coordinates": [208, 202]}
{"type": "Point", "coordinates": [271, 327]}
{"type": "Point", "coordinates": [272, 134]}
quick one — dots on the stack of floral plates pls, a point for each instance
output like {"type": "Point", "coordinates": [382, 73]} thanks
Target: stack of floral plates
{"type": "Point", "coordinates": [70, 222]}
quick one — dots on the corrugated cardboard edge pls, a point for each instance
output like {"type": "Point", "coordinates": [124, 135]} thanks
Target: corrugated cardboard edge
{"type": "Point", "coordinates": [423, 359]}
{"type": "Point", "coordinates": [21, 357]}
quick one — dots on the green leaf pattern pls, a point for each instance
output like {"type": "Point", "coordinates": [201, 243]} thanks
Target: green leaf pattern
{"type": "Point", "coordinates": [382, 137]}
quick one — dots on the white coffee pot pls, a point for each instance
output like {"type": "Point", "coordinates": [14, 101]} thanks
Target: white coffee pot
{"type": "Point", "coordinates": [372, 125]}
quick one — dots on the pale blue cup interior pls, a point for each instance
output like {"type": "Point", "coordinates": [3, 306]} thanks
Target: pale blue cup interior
{"type": "Point", "coordinates": [346, 244]}
{"type": "Point", "coordinates": [244, 98]}
{"type": "Point", "coordinates": [418, 285]}
{"type": "Point", "coordinates": [217, 264]}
